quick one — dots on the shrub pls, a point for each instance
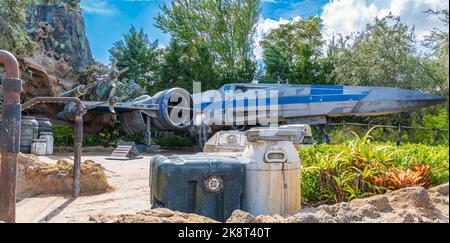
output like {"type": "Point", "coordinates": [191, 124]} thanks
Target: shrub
{"type": "Point", "coordinates": [63, 135]}
{"type": "Point", "coordinates": [361, 167]}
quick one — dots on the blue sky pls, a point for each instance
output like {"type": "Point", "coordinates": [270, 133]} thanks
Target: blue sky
{"type": "Point", "coordinates": [107, 20]}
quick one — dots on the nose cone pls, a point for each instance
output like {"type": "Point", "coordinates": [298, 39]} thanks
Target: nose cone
{"type": "Point", "coordinates": [391, 100]}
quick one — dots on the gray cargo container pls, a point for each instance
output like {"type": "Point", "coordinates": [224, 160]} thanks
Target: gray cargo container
{"type": "Point", "coordinates": [209, 185]}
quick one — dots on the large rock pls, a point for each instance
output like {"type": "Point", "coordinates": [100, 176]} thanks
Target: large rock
{"type": "Point", "coordinates": [45, 76]}
{"type": "Point", "coordinates": [239, 216]}
{"type": "Point", "coordinates": [380, 202]}
{"type": "Point", "coordinates": [36, 177]}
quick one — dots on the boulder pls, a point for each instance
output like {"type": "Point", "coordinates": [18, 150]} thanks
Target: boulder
{"type": "Point", "coordinates": [380, 202]}
{"type": "Point", "coordinates": [35, 177]}
{"type": "Point", "coordinates": [239, 216]}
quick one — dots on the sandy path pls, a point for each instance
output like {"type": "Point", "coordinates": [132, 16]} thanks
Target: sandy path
{"type": "Point", "coordinates": [130, 193]}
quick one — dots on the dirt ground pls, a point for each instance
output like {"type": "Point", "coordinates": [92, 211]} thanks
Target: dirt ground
{"type": "Point", "coordinates": [130, 193]}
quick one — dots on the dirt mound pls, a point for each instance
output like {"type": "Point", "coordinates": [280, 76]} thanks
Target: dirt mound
{"type": "Point", "coordinates": [157, 215]}
{"type": "Point", "coordinates": [36, 177]}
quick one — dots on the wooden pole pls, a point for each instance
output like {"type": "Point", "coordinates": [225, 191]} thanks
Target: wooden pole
{"type": "Point", "coordinates": [435, 140]}
{"type": "Point", "coordinates": [77, 156]}
{"type": "Point", "coordinates": [399, 137]}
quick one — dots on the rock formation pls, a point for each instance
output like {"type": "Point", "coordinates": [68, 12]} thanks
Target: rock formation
{"type": "Point", "coordinates": [63, 48]}
{"type": "Point", "coordinates": [58, 27]}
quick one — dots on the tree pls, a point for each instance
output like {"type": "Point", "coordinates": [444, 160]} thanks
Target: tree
{"type": "Point", "coordinates": [180, 67]}
{"type": "Point", "coordinates": [223, 28]}
{"type": "Point", "coordinates": [140, 55]}
{"type": "Point", "coordinates": [384, 54]}
{"type": "Point", "coordinates": [13, 37]}
{"type": "Point", "coordinates": [293, 53]}
{"type": "Point", "coordinates": [436, 64]}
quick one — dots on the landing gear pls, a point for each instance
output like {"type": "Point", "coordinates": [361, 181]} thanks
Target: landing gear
{"type": "Point", "coordinates": [323, 131]}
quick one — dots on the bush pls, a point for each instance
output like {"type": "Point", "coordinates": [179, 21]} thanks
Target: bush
{"type": "Point", "coordinates": [176, 139]}
{"type": "Point", "coordinates": [63, 135]}
{"type": "Point", "coordinates": [361, 168]}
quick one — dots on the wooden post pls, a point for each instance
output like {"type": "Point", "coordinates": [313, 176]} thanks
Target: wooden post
{"type": "Point", "coordinates": [148, 134]}
{"type": "Point", "coordinates": [77, 156]}
{"type": "Point", "coordinates": [435, 139]}
{"type": "Point", "coordinates": [399, 136]}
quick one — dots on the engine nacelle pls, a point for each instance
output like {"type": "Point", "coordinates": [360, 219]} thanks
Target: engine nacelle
{"type": "Point", "coordinates": [175, 109]}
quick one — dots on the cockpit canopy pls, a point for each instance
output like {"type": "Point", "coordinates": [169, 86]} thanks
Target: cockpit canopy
{"type": "Point", "coordinates": [242, 88]}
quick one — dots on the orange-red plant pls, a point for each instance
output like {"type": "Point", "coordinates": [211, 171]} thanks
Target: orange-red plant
{"type": "Point", "coordinates": [417, 176]}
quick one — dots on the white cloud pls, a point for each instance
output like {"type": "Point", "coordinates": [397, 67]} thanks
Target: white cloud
{"type": "Point", "coordinates": [346, 16]}
{"type": "Point", "coordinates": [97, 7]}
{"type": "Point", "coordinates": [263, 27]}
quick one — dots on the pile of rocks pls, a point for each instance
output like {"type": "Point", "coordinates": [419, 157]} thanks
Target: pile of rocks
{"type": "Point", "coordinates": [408, 205]}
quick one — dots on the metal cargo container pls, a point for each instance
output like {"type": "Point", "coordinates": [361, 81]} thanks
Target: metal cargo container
{"type": "Point", "coordinates": [226, 141]}
{"type": "Point", "coordinates": [273, 173]}
{"type": "Point", "coordinates": [206, 184]}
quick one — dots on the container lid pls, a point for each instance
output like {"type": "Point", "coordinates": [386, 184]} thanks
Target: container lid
{"type": "Point", "coordinates": [43, 119]}
{"type": "Point", "coordinates": [272, 134]}
{"type": "Point", "coordinates": [38, 140]}
{"type": "Point", "coordinates": [203, 158]}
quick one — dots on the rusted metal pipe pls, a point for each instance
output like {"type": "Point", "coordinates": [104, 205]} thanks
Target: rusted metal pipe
{"type": "Point", "coordinates": [9, 136]}
{"type": "Point", "coordinates": [10, 63]}
{"type": "Point", "coordinates": [37, 100]}
{"type": "Point", "coordinates": [78, 127]}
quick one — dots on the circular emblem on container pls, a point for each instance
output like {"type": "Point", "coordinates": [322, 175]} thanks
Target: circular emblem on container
{"type": "Point", "coordinates": [213, 183]}
{"type": "Point", "coordinates": [231, 138]}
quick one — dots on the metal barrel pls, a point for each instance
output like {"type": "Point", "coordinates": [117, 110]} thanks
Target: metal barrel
{"type": "Point", "coordinates": [28, 132]}
{"type": "Point", "coordinates": [49, 140]}
{"type": "Point", "coordinates": [44, 125]}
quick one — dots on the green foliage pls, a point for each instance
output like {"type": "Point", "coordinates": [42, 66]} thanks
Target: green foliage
{"type": "Point", "coordinates": [181, 66]}
{"type": "Point", "coordinates": [343, 172]}
{"type": "Point", "coordinates": [13, 37]}
{"type": "Point", "coordinates": [174, 139]}
{"type": "Point", "coordinates": [383, 54]}
{"type": "Point", "coordinates": [63, 135]}
{"type": "Point", "coordinates": [218, 35]}
{"type": "Point", "coordinates": [110, 137]}
{"type": "Point", "coordinates": [293, 53]}
{"type": "Point", "coordinates": [140, 55]}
